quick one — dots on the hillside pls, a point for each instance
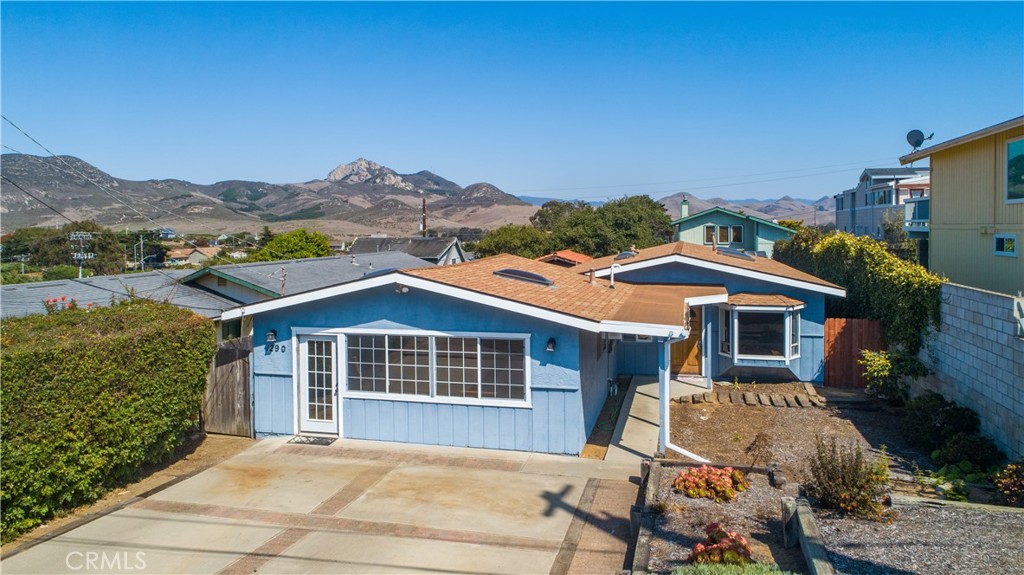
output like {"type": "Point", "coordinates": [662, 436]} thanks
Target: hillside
{"type": "Point", "coordinates": [354, 198]}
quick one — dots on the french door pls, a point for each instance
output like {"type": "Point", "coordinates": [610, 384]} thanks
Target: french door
{"type": "Point", "coordinates": [318, 385]}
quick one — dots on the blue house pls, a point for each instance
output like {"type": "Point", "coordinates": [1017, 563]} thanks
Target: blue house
{"type": "Point", "coordinates": [719, 227]}
{"type": "Point", "coordinates": [502, 352]}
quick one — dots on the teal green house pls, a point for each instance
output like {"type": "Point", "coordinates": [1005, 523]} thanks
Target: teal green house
{"type": "Point", "coordinates": [719, 227]}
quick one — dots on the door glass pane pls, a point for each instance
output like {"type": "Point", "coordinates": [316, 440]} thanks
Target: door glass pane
{"type": "Point", "coordinates": [320, 380]}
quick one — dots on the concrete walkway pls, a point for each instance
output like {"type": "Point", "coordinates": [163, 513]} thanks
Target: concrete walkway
{"type": "Point", "coordinates": [636, 435]}
{"type": "Point", "coordinates": [363, 507]}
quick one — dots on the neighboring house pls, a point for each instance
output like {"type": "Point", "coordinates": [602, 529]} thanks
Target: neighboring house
{"type": "Point", "coordinates": [260, 281]}
{"type": "Point", "coordinates": [565, 258]}
{"type": "Point", "coordinates": [771, 327]}
{"type": "Point", "coordinates": [167, 233]}
{"type": "Point", "coordinates": [511, 353]}
{"type": "Point", "coordinates": [917, 203]}
{"type": "Point", "coordinates": [976, 211]}
{"type": "Point", "coordinates": [438, 251]}
{"type": "Point", "coordinates": [189, 256]}
{"type": "Point", "coordinates": [23, 299]}
{"type": "Point", "coordinates": [726, 228]}
{"type": "Point", "coordinates": [863, 210]}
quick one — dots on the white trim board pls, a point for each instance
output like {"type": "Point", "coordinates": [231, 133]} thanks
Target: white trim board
{"type": "Point", "coordinates": [733, 270]}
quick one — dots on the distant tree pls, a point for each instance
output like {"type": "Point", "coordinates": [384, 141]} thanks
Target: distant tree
{"type": "Point", "coordinates": [586, 232]}
{"type": "Point", "coordinates": [297, 244]}
{"type": "Point", "coordinates": [637, 220]}
{"type": "Point", "coordinates": [896, 239]}
{"type": "Point", "coordinates": [266, 236]}
{"type": "Point", "coordinates": [792, 224]}
{"type": "Point", "coordinates": [553, 213]}
{"type": "Point", "coordinates": [63, 273]}
{"type": "Point", "coordinates": [525, 241]}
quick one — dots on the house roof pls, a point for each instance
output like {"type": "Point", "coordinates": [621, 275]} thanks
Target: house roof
{"type": "Point", "coordinates": [982, 133]}
{"type": "Point", "coordinates": [893, 171]}
{"type": "Point", "coordinates": [914, 182]}
{"type": "Point", "coordinates": [179, 253]}
{"type": "Point", "coordinates": [763, 300]}
{"type": "Point", "coordinates": [567, 255]}
{"type": "Point", "coordinates": [208, 252]}
{"type": "Point", "coordinates": [736, 214]}
{"type": "Point", "coordinates": [570, 298]}
{"type": "Point", "coordinates": [306, 274]}
{"type": "Point", "coordinates": [23, 299]}
{"type": "Point", "coordinates": [426, 248]}
{"type": "Point", "coordinates": [708, 257]}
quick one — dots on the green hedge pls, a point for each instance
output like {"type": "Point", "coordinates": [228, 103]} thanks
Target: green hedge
{"type": "Point", "coordinates": [903, 296]}
{"type": "Point", "coordinates": [91, 396]}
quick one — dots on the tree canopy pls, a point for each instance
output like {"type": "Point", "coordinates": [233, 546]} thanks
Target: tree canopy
{"type": "Point", "coordinates": [525, 241]}
{"type": "Point", "coordinates": [297, 244]}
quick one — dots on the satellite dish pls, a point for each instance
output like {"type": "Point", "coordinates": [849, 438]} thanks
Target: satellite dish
{"type": "Point", "coordinates": [916, 137]}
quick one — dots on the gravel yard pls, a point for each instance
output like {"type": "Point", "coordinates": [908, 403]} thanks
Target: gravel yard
{"type": "Point", "coordinates": [754, 514]}
{"type": "Point", "coordinates": [927, 540]}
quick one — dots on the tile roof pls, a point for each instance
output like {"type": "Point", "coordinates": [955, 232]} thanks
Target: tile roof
{"type": "Point", "coordinates": [757, 299]}
{"type": "Point", "coordinates": [570, 293]}
{"type": "Point", "coordinates": [23, 299]}
{"type": "Point", "coordinates": [708, 254]}
{"type": "Point", "coordinates": [567, 255]}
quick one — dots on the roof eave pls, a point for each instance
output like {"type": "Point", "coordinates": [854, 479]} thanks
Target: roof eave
{"type": "Point", "coordinates": [966, 138]}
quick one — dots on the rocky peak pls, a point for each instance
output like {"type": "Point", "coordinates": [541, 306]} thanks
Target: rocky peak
{"type": "Point", "coordinates": [368, 171]}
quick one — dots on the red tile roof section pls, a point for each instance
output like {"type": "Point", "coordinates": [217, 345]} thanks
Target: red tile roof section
{"type": "Point", "coordinates": [708, 254]}
{"type": "Point", "coordinates": [567, 255]}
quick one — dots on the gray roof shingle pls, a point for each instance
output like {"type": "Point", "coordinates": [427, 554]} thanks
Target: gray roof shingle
{"type": "Point", "coordinates": [427, 248]}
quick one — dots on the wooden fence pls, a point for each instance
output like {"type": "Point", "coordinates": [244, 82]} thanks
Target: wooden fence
{"type": "Point", "coordinates": [844, 340]}
{"type": "Point", "coordinates": [227, 406]}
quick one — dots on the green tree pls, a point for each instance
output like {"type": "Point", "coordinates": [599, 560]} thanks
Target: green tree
{"type": "Point", "coordinates": [553, 213]}
{"type": "Point", "coordinates": [525, 241]}
{"type": "Point", "coordinates": [638, 220]}
{"type": "Point", "coordinates": [586, 232]}
{"type": "Point", "coordinates": [265, 237]}
{"type": "Point", "coordinates": [297, 244]}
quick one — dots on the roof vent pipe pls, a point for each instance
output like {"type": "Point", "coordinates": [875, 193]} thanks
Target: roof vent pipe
{"type": "Point", "coordinates": [611, 284]}
{"type": "Point", "coordinates": [593, 276]}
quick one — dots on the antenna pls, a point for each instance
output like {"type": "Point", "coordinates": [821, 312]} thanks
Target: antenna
{"type": "Point", "coordinates": [916, 137]}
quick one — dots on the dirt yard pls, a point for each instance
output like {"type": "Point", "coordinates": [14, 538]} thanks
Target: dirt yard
{"type": "Point", "coordinates": [195, 455]}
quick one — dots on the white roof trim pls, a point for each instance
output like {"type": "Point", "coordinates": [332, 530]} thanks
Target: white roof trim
{"type": "Point", "coordinates": [604, 272]}
{"type": "Point", "coordinates": [707, 299]}
{"type": "Point", "coordinates": [460, 293]}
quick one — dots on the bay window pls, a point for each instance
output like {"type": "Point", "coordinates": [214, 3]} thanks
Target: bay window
{"type": "Point", "coordinates": [759, 333]}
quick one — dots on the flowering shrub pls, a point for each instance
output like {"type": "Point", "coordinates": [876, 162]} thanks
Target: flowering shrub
{"type": "Point", "coordinates": [1010, 483]}
{"type": "Point", "coordinates": [721, 546]}
{"type": "Point", "coordinates": [720, 484]}
{"type": "Point", "coordinates": [841, 478]}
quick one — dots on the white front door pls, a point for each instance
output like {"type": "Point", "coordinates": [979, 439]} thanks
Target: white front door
{"type": "Point", "coordinates": [318, 390]}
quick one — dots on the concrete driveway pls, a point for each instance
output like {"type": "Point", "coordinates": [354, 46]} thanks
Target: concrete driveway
{"type": "Point", "coordinates": [362, 507]}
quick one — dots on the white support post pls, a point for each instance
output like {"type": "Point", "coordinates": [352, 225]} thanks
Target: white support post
{"type": "Point", "coordinates": [664, 355]}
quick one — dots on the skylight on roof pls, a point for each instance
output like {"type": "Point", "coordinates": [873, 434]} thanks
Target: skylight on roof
{"type": "Point", "coordinates": [735, 253]}
{"type": "Point", "coordinates": [625, 255]}
{"type": "Point", "coordinates": [523, 276]}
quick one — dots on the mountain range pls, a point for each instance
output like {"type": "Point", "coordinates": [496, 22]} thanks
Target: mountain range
{"type": "Point", "coordinates": [359, 197]}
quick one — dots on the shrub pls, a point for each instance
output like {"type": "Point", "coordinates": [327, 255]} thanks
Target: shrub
{"type": "Point", "coordinates": [723, 569]}
{"type": "Point", "coordinates": [1010, 483]}
{"type": "Point", "coordinates": [842, 478]}
{"type": "Point", "coordinates": [885, 371]}
{"type": "Point", "coordinates": [930, 420]}
{"type": "Point", "coordinates": [89, 397]}
{"type": "Point", "coordinates": [974, 448]}
{"type": "Point", "coordinates": [721, 546]}
{"type": "Point", "coordinates": [719, 484]}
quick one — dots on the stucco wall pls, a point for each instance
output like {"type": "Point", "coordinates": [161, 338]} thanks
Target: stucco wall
{"type": "Point", "coordinates": [977, 356]}
{"type": "Point", "coordinates": [555, 422]}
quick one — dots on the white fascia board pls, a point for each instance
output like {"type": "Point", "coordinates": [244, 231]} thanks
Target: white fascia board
{"type": "Point", "coordinates": [417, 283]}
{"type": "Point", "coordinates": [774, 308]}
{"type": "Point", "coordinates": [651, 329]}
{"type": "Point", "coordinates": [707, 299]}
{"type": "Point", "coordinates": [725, 269]}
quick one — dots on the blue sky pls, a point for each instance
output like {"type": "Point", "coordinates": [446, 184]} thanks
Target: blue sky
{"type": "Point", "coordinates": [574, 100]}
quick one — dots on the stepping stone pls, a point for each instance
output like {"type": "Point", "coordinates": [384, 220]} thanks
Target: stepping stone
{"type": "Point", "coordinates": [749, 398]}
{"type": "Point", "coordinates": [764, 400]}
{"type": "Point", "coordinates": [803, 400]}
{"type": "Point", "coordinates": [736, 397]}
{"type": "Point", "coordinates": [699, 398]}
{"type": "Point", "coordinates": [708, 397]}
{"type": "Point", "coordinates": [684, 399]}
{"type": "Point", "coordinates": [723, 397]}
{"type": "Point", "coordinates": [778, 400]}
{"type": "Point", "coordinates": [810, 389]}
{"type": "Point", "coordinates": [817, 401]}
{"type": "Point", "coordinates": [791, 400]}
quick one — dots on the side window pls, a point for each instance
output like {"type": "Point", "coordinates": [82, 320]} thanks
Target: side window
{"type": "Point", "coordinates": [709, 234]}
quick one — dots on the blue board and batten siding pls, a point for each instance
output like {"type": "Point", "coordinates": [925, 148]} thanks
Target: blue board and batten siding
{"type": "Point", "coordinates": [560, 415]}
{"type": "Point", "coordinates": [634, 357]}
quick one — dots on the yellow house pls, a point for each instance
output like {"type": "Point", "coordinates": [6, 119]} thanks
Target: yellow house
{"type": "Point", "coordinates": [977, 207]}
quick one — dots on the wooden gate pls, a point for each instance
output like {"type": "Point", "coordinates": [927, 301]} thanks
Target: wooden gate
{"type": "Point", "coordinates": [227, 403]}
{"type": "Point", "coordinates": [844, 341]}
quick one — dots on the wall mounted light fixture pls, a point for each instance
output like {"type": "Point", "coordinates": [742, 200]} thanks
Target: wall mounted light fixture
{"type": "Point", "coordinates": [551, 344]}
{"type": "Point", "coordinates": [272, 336]}
{"type": "Point", "coordinates": [401, 289]}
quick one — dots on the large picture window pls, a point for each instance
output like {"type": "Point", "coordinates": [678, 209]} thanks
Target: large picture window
{"type": "Point", "coordinates": [723, 234]}
{"type": "Point", "coordinates": [437, 366]}
{"type": "Point", "coordinates": [1015, 170]}
{"type": "Point", "coordinates": [761, 334]}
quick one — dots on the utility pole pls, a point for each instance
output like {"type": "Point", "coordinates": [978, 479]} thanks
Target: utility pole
{"type": "Point", "coordinates": [423, 223]}
{"type": "Point", "coordinates": [81, 255]}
